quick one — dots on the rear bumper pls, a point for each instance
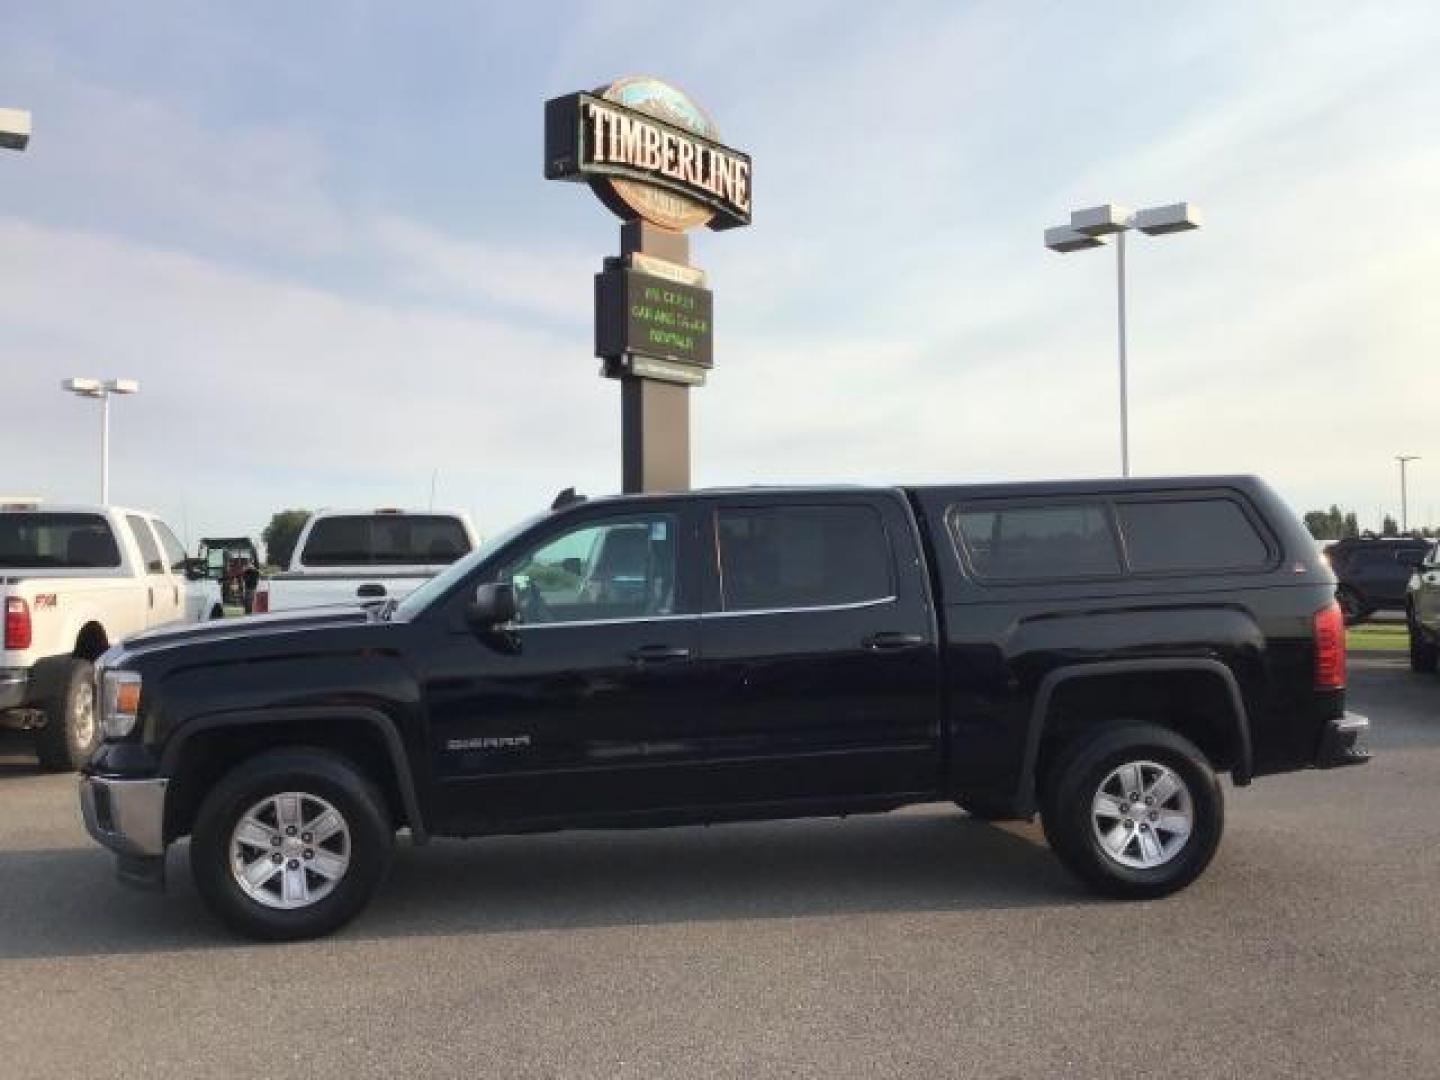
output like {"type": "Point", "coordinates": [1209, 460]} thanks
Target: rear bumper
{"type": "Point", "coordinates": [128, 817]}
{"type": "Point", "coordinates": [14, 685]}
{"type": "Point", "coordinates": [1343, 742]}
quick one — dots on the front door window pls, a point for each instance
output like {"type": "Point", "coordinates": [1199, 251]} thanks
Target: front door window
{"type": "Point", "coordinates": [621, 568]}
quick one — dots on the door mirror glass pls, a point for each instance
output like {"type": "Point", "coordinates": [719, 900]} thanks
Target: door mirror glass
{"type": "Point", "coordinates": [196, 569]}
{"type": "Point", "coordinates": [494, 604]}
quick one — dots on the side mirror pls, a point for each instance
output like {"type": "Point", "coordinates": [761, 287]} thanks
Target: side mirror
{"type": "Point", "coordinates": [493, 605]}
{"type": "Point", "coordinates": [197, 569]}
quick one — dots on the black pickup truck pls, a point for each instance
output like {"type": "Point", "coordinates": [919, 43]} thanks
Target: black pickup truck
{"type": "Point", "coordinates": [1094, 652]}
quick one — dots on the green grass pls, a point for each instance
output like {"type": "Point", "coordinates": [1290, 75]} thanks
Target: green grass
{"type": "Point", "coordinates": [1377, 637]}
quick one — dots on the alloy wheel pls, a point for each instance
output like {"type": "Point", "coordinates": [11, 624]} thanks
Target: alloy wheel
{"type": "Point", "coordinates": [83, 715]}
{"type": "Point", "coordinates": [290, 850]}
{"type": "Point", "coordinates": [1142, 814]}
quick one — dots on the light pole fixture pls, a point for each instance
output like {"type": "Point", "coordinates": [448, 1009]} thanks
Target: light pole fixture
{"type": "Point", "coordinates": [1404, 459]}
{"type": "Point", "coordinates": [1092, 228]}
{"type": "Point", "coordinates": [95, 388]}
{"type": "Point", "coordinates": [14, 129]}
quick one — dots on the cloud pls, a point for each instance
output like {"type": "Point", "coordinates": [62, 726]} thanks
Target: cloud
{"type": "Point", "coordinates": [891, 316]}
{"type": "Point", "coordinates": [266, 392]}
{"type": "Point", "coordinates": [428, 262]}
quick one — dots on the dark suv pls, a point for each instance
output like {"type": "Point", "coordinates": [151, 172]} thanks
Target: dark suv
{"type": "Point", "coordinates": [1373, 572]}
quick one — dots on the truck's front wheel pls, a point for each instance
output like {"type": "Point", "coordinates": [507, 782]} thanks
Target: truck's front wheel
{"type": "Point", "coordinates": [72, 721]}
{"type": "Point", "coordinates": [291, 844]}
{"type": "Point", "coordinates": [1135, 811]}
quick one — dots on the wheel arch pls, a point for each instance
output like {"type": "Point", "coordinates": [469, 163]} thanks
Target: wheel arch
{"type": "Point", "coordinates": [1231, 713]}
{"type": "Point", "coordinates": [210, 746]}
{"type": "Point", "coordinates": [91, 640]}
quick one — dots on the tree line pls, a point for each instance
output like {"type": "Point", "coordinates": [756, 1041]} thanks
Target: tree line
{"type": "Point", "coordinates": [1335, 524]}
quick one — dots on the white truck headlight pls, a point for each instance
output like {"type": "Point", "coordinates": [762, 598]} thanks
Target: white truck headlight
{"type": "Point", "coordinates": [119, 702]}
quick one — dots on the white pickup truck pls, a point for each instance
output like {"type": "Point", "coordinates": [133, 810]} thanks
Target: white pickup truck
{"type": "Point", "coordinates": [365, 557]}
{"type": "Point", "coordinates": [75, 580]}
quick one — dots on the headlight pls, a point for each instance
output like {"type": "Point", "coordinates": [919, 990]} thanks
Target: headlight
{"type": "Point", "coordinates": [119, 702]}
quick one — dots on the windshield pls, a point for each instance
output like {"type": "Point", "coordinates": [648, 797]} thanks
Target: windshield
{"type": "Point", "coordinates": [441, 583]}
{"type": "Point", "coordinates": [59, 540]}
{"type": "Point", "coordinates": [385, 539]}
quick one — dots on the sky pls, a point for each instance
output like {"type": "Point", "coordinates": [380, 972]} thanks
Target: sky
{"type": "Point", "coordinates": [320, 237]}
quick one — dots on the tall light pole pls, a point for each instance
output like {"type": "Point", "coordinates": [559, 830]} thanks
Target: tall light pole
{"type": "Point", "coordinates": [1404, 459]}
{"type": "Point", "coordinates": [94, 388]}
{"type": "Point", "coordinates": [1092, 228]}
{"type": "Point", "coordinates": [14, 129]}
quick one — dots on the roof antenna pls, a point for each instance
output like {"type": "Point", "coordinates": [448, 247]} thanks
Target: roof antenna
{"type": "Point", "coordinates": [566, 498]}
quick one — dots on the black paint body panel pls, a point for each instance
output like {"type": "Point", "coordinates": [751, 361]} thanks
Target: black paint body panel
{"type": "Point", "coordinates": [766, 714]}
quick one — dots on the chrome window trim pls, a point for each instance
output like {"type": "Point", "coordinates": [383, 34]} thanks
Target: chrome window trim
{"type": "Point", "coordinates": [600, 622]}
{"type": "Point", "coordinates": [855, 606]}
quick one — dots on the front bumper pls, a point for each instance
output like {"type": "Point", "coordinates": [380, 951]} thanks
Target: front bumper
{"type": "Point", "coordinates": [1343, 742]}
{"type": "Point", "coordinates": [128, 817]}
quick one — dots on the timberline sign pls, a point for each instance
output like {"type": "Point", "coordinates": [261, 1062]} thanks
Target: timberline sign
{"type": "Point", "coordinates": [648, 151]}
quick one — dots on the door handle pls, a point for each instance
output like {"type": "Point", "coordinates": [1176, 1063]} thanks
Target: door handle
{"type": "Point", "coordinates": [893, 641]}
{"type": "Point", "coordinates": [657, 654]}
{"type": "Point", "coordinates": [150, 595]}
{"type": "Point", "coordinates": [371, 588]}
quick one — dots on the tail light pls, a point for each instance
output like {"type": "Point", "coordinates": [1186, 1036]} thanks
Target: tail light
{"type": "Point", "coordinates": [261, 604]}
{"type": "Point", "coordinates": [1329, 626]}
{"type": "Point", "coordinates": [17, 623]}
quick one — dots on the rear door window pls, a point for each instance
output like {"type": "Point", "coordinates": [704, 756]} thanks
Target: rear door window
{"type": "Point", "coordinates": [174, 552]}
{"type": "Point", "coordinates": [385, 540]}
{"type": "Point", "coordinates": [1036, 542]}
{"type": "Point", "coordinates": [1177, 535]}
{"type": "Point", "coordinates": [787, 557]}
{"type": "Point", "coordinates": [149, 550]}
{"type": "Point", "coordinates": [38, 540]}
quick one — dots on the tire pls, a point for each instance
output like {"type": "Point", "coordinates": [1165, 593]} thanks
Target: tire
{"type": "Point", "coordinates": [72, 721]}
{"type": "Point", "coordinates": [1424, 655]}
{"type": "Point", "coordinates": [217, 612]}
{"type": "Point", "coordinates": [1153, 860]}
{"type": "Point", "coordinates": [317, 886]}
{"type": "Point", "coordinates": [1352, 606]}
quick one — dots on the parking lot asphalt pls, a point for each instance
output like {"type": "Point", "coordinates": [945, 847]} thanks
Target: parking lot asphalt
{"type": "Point", "coordinates": [913, 944]}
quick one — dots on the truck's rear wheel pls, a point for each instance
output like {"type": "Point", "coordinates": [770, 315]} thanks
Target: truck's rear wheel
{"type": "Point", "coordinates": [1424, 656]}
{"type": "Point", "coordinates": [1352, 607]}
{"type": "Point", "coordinates": [72, 721]}
{"type": "Point", "coordinates": [291, 844]}
{"type": "Point", "coordinates": [1135, 811]}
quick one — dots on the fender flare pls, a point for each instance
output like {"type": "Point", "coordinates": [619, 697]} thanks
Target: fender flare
{"type": "Point", "coordinates": [373, 718]}
{"type": "Point", "coordinates": [1241, 773]}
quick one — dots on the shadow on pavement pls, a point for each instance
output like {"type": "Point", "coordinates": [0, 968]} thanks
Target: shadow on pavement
{"type": "Point", "coordinates": [17, 755]}
{"type": "Point", "coordinates": [1403, 706]}
{"type": "Point", "coordinates": [66, 903]}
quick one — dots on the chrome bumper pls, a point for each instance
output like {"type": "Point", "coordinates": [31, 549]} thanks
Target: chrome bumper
{"type": "Point", "coordinates": [1343, 742]}
{"type": "Point", "coordinates": [127, 816]}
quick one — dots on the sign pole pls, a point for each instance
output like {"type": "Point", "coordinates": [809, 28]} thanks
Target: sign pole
{"type": "Point", "coordinates": [654, 415]}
